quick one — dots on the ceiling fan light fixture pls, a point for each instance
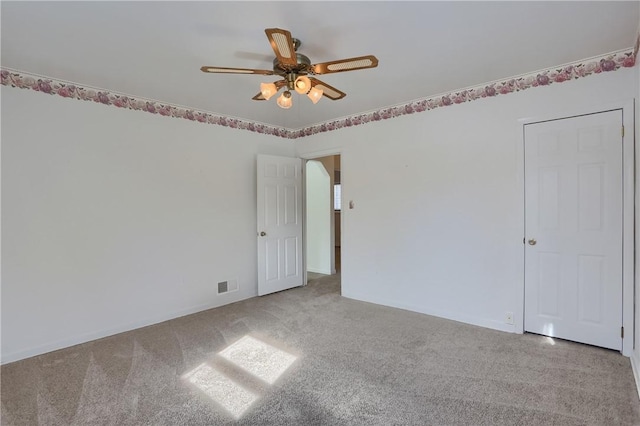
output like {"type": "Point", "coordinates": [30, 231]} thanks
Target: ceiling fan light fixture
{"type": "Point", "coordinates": [302, 84]}
{"type": "Point", "coordinates": [315, 95]}
{"type": "Point", "coordinates": [296, 71]}
{"type": "Point", "coordinates": [284, 101]}
{"type": "Point", "coordinates": [268, 90]}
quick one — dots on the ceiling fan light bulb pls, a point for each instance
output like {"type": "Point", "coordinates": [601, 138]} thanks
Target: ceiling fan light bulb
{"type": "Point", "coordinates": [315, 95]}
{"type": "Point", "coordinates": [284, 101]}
{"type": "Point", "coordinates": [268, 90]}
{"type": "Point", "coordinates": [303, 84]}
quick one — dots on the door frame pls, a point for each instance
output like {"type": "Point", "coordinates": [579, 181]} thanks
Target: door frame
{"type": "Point", "coordinates": [628, 211]}
{"type": "Point", "coordinates": [313, 156]}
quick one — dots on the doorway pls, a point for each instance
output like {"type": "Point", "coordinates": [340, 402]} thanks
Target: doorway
{"type": "Point", "coordinates": [574, 216]}
{"type": "Point", "coordinates": [323, 217]}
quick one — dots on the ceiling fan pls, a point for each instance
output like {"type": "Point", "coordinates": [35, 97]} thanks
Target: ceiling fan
{"type": "Point", "coordinates": [294, 68]}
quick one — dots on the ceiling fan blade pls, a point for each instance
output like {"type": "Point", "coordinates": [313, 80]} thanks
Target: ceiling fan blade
{"type": "Point", "coordinates": [361, 62]}
{"type": "Point", "coordinates": [279, 85]}
{"type": "Point", "coordinates": [282, 44]}
{"type": "Point", "coordinates": [328, 91]}
{"type": "Point", "coordinates": [223, 70]}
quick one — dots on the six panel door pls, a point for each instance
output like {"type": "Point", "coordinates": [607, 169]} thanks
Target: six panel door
{"type": "Point", "coordinates": [279, 223]}
{"type": "Point", "coordinates": [573, 228]}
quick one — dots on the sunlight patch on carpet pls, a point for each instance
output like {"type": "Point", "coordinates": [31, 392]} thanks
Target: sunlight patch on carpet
{"type": "Point", "coordinates": [259, 358]}
{"type": "Point", "coordinates": [250, 355]}
{"type": "Point", "coordinates": [233, 397]}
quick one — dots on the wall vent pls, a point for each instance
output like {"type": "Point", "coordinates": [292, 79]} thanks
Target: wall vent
{"type": "Point", "coordinates": [227, 286]}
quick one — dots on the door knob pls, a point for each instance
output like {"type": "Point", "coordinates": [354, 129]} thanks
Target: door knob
{"type": "Point", "coordinates": [532, 242]}
{"type": "Point", "coordinates": [262, 233]}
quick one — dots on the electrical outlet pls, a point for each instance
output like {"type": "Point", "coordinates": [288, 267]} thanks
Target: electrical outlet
{"type": "Point", "coordinates": [508, 318]}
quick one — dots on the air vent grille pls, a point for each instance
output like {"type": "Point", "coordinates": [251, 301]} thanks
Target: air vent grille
{"type": "Point", "coordinates": [227, 286]}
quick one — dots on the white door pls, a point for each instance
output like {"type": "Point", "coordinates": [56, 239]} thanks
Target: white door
{"type": "Point", "coordinates": [279, 223]}
{"type": "Point", "coordinates": [573, 228]}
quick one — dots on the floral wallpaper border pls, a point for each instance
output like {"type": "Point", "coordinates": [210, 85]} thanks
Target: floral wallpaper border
{"type": "Point", "coordinates": [52, 86]}
{"type": "Point", "coordinates": [597, 65]}
{"type": "Point", "coordinates": [605, 63]}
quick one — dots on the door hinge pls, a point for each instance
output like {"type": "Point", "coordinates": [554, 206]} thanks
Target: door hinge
{"type": "Point", "coordinates": [622, 332]}
{"type": "Point", "coordinates": [623, 131]}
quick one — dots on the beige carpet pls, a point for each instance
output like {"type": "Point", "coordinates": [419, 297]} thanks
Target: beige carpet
{"type": "Point", "coordinates": [310, 357]}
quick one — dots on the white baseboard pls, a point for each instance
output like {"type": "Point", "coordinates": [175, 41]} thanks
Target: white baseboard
{"type": "Point", "coordinates": [87, 337]}
{"type": "Point", "coordinates": [319, 270]}
{"type": "Point", "coordinates": [455, 316]}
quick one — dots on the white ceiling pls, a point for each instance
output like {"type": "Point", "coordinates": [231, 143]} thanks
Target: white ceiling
{"type": "Point", "coordinates": [155, 49]}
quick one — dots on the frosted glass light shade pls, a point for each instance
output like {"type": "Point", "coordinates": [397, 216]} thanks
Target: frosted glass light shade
{"type": "Point", "coordinates": [284, 101]}
{"type": "Point", "coordinates": [268, 90]}
{"type": "Point", "coordinates": [302, 85]}
{"type": "Point", "coordinates": [315, 95]}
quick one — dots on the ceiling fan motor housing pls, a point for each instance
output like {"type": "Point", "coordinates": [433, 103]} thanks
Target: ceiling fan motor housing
{"type": "Point", "coordinates": [303, 66]}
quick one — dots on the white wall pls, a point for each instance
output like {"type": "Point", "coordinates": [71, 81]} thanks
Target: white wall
{"type": "Point", "coordinates": [318, 220]}
{"type": "Point", "coordinates": [336, 216]}
{"type": "Point", "coordinates": [437, 223]}
{"type": "Point", "coordinates": [114, 219]}
{"type": "Point", "coordinates": [635, 358]}
{"type": "Point", "coordinates": [329, 164]}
